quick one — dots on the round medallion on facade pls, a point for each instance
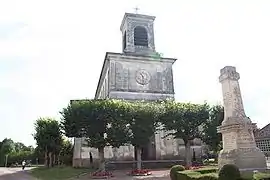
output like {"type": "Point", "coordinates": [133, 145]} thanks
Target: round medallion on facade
{"type": "Point", "coordinates": [142, 77]}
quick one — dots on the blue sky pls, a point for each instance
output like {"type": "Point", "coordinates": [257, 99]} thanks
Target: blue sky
{"type": "Point", "coordinates": [52, 51]}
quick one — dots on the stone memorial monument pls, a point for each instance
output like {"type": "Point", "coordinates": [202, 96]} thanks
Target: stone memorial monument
{"type": "Point", "coordinates": [239, 145]}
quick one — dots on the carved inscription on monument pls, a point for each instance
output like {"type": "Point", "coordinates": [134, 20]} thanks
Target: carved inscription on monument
{"type": "Point", "coordinates": [238, 104]}
{"type": "Point", "coordinates": [245, 139]}
{"type": "Point", "coordinates": [229, 141]}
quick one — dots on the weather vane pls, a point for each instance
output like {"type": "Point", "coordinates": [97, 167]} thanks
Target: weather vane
{"type": "Point", "coordinates": [136, 9]}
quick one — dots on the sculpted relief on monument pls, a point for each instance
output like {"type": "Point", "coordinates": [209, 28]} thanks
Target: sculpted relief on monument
{"type": "Point", "coordinates": [144, 77]}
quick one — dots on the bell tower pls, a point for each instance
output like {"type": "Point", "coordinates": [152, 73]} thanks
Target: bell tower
{"type": "Point", "coordinates": [138, 34]}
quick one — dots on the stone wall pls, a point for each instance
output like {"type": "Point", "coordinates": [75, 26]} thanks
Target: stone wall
{"type": "Point", "coordinates": [166, 148]}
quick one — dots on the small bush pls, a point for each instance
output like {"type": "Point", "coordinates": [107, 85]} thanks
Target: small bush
{"type": "Point", "coordinates": [229, 172]}
{"type": "Point", "coordinates": [174, 170]}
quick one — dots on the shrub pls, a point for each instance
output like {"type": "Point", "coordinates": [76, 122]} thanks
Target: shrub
{"type": "Point", "coordinates": [229, 171]}
{"type": "Point", "coordinates": [174, 170]}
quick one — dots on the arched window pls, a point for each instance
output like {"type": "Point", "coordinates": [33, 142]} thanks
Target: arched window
{"type": "Point", "coordinates": [124, 41]}
{"type": "Point", "coordinates": [140, 36]}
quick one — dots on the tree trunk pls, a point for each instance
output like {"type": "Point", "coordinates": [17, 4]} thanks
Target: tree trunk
{"type": "Point", "coordinates": [58, 158]}
{"type": "Point", "coordinates": [46, 158]}
{"type": "Point", "coordinates": [139, 157]}
{"type": "Point", "coordinates": [54, 159]}
{"type": "Point", "coordinates": [188, 154]}
{"type": "Point", "coordinates": [50, 159]}
{"type": "Point", "coordinates": [101, 159]}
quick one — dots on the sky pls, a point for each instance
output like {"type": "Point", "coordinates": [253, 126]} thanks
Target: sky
{"type": "Point", "coordinates": [52, 51]}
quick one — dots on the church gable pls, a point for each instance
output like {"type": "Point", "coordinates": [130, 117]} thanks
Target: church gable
{"type": "Point", "coordinates": [264, 132]}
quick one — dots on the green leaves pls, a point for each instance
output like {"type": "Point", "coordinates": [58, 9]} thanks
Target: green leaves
{"type": "Point", "coordinates": [210, 135]}
{"type": "Point", "coordinates": [48, 133]}
{"type": "Point", "coordinates": [118, 122]}
{"type": "Point", "coordinates": [184, 119]}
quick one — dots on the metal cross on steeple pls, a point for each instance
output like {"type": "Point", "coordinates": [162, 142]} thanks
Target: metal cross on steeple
{"type": "Point", "coordinates": [136, 9]}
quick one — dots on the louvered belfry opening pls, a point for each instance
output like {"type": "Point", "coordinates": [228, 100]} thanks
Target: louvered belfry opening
{"type": "Point", "coordinates": [140, 36]}
{"type": "Point", "coordinates": [125, 41]}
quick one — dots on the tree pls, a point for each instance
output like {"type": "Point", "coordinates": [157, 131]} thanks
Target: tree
{"type": "Point", "coordinates": [48, 137]}
{"type": "Point", "coordinates": [182, 120]}
{"type": "Point", "coordinates": [210, 135]}
{"type": "Point", "coordinates": [7, 147]}
{"type": "Point", "coordinates": [96, 120]}
{"type": "Point", "coordinates": [65, 153]}
{"type": "Point", "coordinates": [142, 121]}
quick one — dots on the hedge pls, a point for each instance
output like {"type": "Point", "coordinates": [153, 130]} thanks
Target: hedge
{"type": "Point", "coordinates": [195, 175]}
{"type": "Point", "coordinates": [261, 176]}
{"type": "Point", "coordinates": [206, 170]}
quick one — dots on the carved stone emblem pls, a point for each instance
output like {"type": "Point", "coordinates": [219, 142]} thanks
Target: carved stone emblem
{"type": "Point", "coordinates": [142, 77]}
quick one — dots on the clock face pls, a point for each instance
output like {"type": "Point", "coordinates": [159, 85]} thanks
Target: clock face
{"type": "Point", "coordinates": [142, 77]}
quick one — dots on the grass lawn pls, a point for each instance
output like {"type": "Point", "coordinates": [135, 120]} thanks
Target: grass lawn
{"type": "Point", "coordinates": [57, 173]}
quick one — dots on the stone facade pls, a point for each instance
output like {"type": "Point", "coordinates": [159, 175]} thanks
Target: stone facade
{"type": "Point", "coordinates": [239, 145]}
{"type": "Point", "coordinates": [134, 77]}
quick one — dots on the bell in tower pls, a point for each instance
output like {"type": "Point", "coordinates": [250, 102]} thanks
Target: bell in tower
{"type": "Point", "coordinates": [138, 34]}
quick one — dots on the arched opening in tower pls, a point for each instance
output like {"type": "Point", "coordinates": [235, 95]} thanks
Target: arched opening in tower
{"type": "Point", "coordinates": [140, 36]}
{"type": "Point", "coordinates": [124, 41]}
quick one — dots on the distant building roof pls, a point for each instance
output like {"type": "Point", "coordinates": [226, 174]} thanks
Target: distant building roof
{"type": "Point", "coordinates": [264, 132]}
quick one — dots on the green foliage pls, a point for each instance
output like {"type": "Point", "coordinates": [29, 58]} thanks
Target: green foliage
{"type": "Point", "coordinates": [66, 152]}
{"type": "Point", "coordinates": [191, 175]}
{"type": "Point", "coordinates": [98, 120]}
{"type": "Point", "coordinates": [18, 157]}
{"type": "Point", "coordinates": [210, 135]}
{"type": "Point", "coordinates": [95, 118]}
{"type": "Point", "coordinates": [229, 171]}
{"type": "Point", "coordinates": [206, 170]}
{"type": "Point", "coordinates": [187, 175]}
{"type": "Point", "coordinates": [174, 170]}
{"type": "Point", "coordinates": [210, 176]}
{"type": "Point", "coordinates": [6, 147]}
{"type": "Point", "coordinates": [184, 119]}
{"type": "Point", "coordinates": [142, 122]}
{"type": "Point", "coordinates": [48, 138]}
{"type": "Point", "coordinates": [261, 176]}
{"type": "Point", "coordinates": [48, 134]}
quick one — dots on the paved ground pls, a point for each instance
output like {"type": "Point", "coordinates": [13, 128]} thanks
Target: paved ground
{"type": "Point", "coordinates": [14, 174]}
{"type": "Point", "coordinates": [18, 174]}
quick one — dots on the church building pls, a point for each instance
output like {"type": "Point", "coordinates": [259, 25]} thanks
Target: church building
{"type": "Point", "coordinates": [138, 73]}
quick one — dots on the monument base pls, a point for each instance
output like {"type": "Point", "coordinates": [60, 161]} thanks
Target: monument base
{"type": "Point", "coordinates": [244, 159]}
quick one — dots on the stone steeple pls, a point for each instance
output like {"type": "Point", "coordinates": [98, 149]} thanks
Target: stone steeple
{"type": "Point", "coordinates": [138, 34]}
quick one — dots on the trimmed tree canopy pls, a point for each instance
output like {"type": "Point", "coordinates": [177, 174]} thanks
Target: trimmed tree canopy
{"type": "Point", "coordinates": [184, 119]}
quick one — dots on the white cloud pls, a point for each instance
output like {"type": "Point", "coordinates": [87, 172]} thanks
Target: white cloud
{"type": "Point", "coordinates": [63, 44]}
